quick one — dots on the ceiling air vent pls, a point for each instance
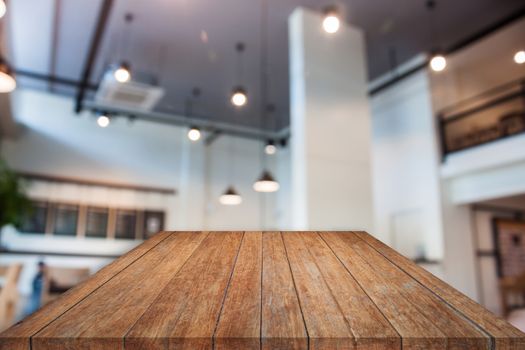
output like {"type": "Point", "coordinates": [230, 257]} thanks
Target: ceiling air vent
{"type": "Point", "coordinates": [132, 95]}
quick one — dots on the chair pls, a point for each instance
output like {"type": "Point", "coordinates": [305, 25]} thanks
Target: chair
{"type": "Point", "coordinates": [9, 295]}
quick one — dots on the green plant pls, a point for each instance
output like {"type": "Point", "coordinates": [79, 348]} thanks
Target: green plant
{"type": "Point", "coordinates": [14, 204]}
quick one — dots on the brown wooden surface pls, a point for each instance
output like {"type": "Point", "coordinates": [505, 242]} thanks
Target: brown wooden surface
{"type": "Point", "coordinates": [262, 290]}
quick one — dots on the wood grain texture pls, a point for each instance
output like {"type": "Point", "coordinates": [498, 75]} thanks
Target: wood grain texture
{"type": "Point", "coordinates": [262, 290]}
{"type": "Point", "coordinates": [369, 326]}
{"type": "Point", "coordinates": [325, 321]}
{"type": "Point", "coordinates": [187, 311]}
{"type": "Point", "coordinates": [421, 318]}
{"type": "Point", "coordinates": [504, 334]}
{"type": "Point", "coordinates": [103, 318]}
{"type": "Point", "coordinates": [239, 324]}
{"type": "Point", "coordinates": [18, 336]}
{"type": "Point", "coordinates": [282, 321]}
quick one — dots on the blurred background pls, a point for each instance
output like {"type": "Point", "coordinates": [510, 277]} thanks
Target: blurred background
{"type": "Point", "coordinates": [122, 118]}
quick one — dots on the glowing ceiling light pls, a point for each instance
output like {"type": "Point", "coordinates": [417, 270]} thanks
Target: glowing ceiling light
{"type": "Point", "coordinates": [438, 63]}
{"type": "Point", "coordinates": [122, 74]}
{"type": "Point", "coordinates": [266, 183]}
{"type": "Point", "coordinates": [103, 121]}
{"type": "Point", "coordinates": [239, 97]}
{"type": "Point", "coordinates": [3, 8]}
{"type": "Point", "coordinates": [270, 148]}
{"type": "Point", "coordinates": [7, 81]}
{"type": "Point", "coordinates": [331, 24]}
{"type": "Point", "coordinates": [230, 197]}
{"type": "Point", "coordinates": [194, 134]}
{"type": "Point", "coordinates": [519, 57]}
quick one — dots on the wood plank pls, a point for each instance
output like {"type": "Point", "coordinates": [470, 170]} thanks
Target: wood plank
{"type": "Point", "coordinates": [505, 335]}
{"type": "Point", "coordinates": [325, 322]}
{"type": "Point", "coordinates": [239, 324]}
{"type": "Point", "coordinates": [421, 318]}
{"type": "Point", "coordinates": [18, 336]}
{"type": "Point", "coordinates": [103, 318]}
{"type": "Point", "coordinates": [282, 322]}
{"type": "Point", "coordinates": [368, 325]}
{"type": "Point", "coordinates": [185, 314]}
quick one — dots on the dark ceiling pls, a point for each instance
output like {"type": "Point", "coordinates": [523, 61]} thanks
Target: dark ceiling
{"type": "Point", "coordinates": [190, 43]}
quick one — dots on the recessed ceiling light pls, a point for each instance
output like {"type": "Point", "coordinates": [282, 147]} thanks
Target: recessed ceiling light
{"type": "Point", "coordinates": [438, 63]}
{"type": "Point", "coordinates": [519, 57]}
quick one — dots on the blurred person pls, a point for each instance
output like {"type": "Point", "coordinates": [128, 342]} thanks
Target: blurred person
{"type": "Point", "coordinates": [37, 287]}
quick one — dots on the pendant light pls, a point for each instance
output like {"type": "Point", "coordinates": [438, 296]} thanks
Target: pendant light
{"type": "Point", "coordinates": [270, 148]}
{"type": "Point", "coordinates": [239, 97]}
{"type": "Point", "coordinates": [194, 134]}
{"type": "Point", "coordinates": [103, 120]}
{"type": "Point", "coordinates": [331, 21]}
{"type": "Point", "coordinates": [438, 62]}
{"type": "Point", "coordinates": [7, 81]}
{"type": "Point", "coordinates": [519, 57]}
{"type": "Point", "coordinates": [122, 72]}
{"type": "Point", "coordinates": [266, 182]}
{"type": "Point", "coordinates": [3, 8]}
{"type": "Point", "coordinates": [231, 196]}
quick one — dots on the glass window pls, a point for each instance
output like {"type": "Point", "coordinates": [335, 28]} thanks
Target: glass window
{"type": "Point", "coordinates": [153, 223]}
{"type": "Point", "coordinates": [125, 225]}
{"type": "Point", "coordinates": [66, 218]}
{"type": "Point", "coordinates": [96, 222]}
{"type": "Point", "coordinates": [35, 220]}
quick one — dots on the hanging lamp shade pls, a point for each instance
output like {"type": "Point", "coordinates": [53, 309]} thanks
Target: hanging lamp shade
{"type": "Point", "coordinates": [230, 197]}
{"type": "Point", "coordinates": [7, 81]}
{"type": "Point", "coordinates": [266, 183]}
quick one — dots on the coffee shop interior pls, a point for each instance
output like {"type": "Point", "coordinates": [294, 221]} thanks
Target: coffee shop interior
{"type": "Point", "coordinates": [123, 118]}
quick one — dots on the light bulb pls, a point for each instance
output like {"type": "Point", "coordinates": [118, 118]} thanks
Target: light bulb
{"type": "Point", "coordinates": [519, 57]}
{"type": "Point", "coordinates": [103, 121]}
{"type": "Point", "coordinates": [331, 23]}
{"type": "Point", "coordinates": [194, 134]}
{"type": "Point", "coordinates": [3, 8]}
{"type": "Point", "coordinates": [7, 82]}
{"type": "Point", "coordinates": [438, 63]}
{"type": "Point", "coordinates": [270, 148]}
{"type": "Point", "coordinates": [122, 73]}
{"type": "Point", "coordinates": [239, 97]}
{"type": "Point", "coordinates": [266, 183]}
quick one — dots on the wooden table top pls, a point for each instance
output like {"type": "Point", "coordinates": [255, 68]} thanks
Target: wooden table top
{"type": "Point", "coordinates": [271, 290]}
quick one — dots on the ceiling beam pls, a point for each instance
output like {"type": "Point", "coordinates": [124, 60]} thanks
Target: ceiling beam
{"type": "Point", "coordinates": [103, 17]}
{"type": "Point", "coordinates": [199, 122]}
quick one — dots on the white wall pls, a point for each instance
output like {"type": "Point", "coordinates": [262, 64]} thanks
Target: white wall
{"type": "Point", "coordinates": [58, 142]}
{"type": "Point", "coordinates": [405, 168]}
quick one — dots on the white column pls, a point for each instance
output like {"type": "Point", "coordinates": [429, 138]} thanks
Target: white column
{"type": "Point", "coordinates": [330, 125]}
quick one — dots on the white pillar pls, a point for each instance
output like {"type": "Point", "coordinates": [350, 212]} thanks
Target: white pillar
{"type": "Point", "coordinates": [330, 125]}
